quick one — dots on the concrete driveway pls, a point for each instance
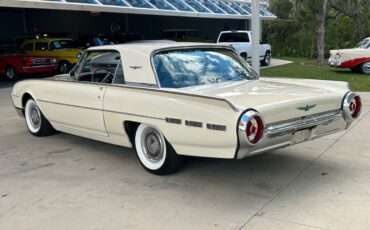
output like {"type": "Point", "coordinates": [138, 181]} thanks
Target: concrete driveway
{"type": "Point", "coordinates": [68, 182]}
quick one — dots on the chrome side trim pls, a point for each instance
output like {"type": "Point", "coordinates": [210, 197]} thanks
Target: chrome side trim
{"type": "Point", "coordinates": [146, 88]}
{"type": "Point", "coordinates": [39, 66]}
{"type": "Point", "coordinates": [194, 124]}
{"type": "Point", "coordinates": [216, 127]}
{"type": "Point", "coordinates": [281, 128]}
{"type": "Point", "coordinates": [173, 120]}
{"type": "Point", "coordinates": [103, 110]}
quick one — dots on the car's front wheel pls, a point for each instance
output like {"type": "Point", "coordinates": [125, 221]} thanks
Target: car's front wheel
{"type": "Point", "coordinates": [36, 122]}
{"type": "Point", "coordinates": [365, 68]}
{"type": "Point", "coordinates": [10, 73]}
{"type": "Point", "coordinates": [154, 152]}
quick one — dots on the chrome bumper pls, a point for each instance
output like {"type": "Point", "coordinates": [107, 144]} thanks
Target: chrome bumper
{"type": "Point", "coordinates": [290, 132]}
{"type": "Point", "coordinates": [334, 62]}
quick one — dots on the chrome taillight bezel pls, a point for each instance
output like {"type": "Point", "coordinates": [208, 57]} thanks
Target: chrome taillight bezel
{"type": "Point", "coordinates": [243, 123]}
{"type": "Point", "coordinates": [350, 115]}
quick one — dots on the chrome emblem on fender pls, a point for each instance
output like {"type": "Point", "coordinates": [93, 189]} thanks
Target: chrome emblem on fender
{"type": "Point", "coordinates": [306, 107]}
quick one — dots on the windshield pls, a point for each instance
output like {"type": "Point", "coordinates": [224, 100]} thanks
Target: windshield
{"type": "Point", "coordinates": [364, 44]}
{"type": "Point", "coordinates": [194, 67]}
{"type": "Point", "coordinates": [61, 44]}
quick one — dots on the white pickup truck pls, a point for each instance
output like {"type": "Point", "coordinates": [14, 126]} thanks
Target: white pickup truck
{"type": "Point", "coordinates": [241, 40]}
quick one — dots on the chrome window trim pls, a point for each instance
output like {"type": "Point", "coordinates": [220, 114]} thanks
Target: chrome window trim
{"type": "Point", "coordinates": [115, 72]}
{"type": "Point", "coordinates": [86, 54]}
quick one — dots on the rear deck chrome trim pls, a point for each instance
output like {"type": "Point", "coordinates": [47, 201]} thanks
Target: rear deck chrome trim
{"type": "Point", "coordinates": [289, 126]}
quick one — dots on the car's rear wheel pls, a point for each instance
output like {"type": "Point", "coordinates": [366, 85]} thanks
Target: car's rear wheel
{"type": "Point", "coordinates": [10, 73]}
{"type": "Point", "coordinates": [36, 122]}
{"type": "Point", "coordinates": [64, 67]}
{"type": "Point", "coordinates": [365, 68]}
{"type": "Point", "coordinates": [267, 59]}
{"type": "Point", "coordinates": [154, 152]}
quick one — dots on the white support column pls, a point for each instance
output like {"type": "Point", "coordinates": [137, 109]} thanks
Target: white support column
{"type": "Point", "coordinates": [256, 35]}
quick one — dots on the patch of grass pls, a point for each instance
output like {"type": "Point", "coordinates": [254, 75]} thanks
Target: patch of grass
{"type": "Point", "coordinates": [307, 68]}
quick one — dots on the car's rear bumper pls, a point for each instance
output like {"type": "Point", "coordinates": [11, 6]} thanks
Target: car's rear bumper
{"type": "Point", "coordinates": [283, 134]}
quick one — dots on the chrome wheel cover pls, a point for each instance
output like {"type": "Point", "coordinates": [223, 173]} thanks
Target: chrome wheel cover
{"type": "Point", "coordinates": [152, 145]}
{"type": "Point", "coordinates": [10, 73]}
{"type": "Point", "coordinates": [366, 67]}
{"type": "Point", "coordinates": [33, 116]}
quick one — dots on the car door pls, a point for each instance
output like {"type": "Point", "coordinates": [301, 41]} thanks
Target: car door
{"type": "Point", "coordinates": [75, 104]}
{"type": "Point", "coordinates": [75, 107]}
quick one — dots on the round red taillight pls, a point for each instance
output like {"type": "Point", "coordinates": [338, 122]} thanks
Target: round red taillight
{"type": "Point", "coordinates": [252, 125]}
{"type": "Point", "coordinates": [355, 106]}
{"type": "Point", "coordinates": [254, 129]}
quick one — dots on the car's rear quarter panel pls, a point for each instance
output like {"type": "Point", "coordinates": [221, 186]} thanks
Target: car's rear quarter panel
{"type": "Point", "coordinates": [154, 106]}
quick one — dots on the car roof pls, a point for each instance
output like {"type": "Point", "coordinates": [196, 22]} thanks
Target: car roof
{"type": "Point", "coordinates": [149, 47]}
{"type": "Point", "coordinates": [236, 31]}
{"type": "Point", "coordinates": [139, 54]}
{"type": "Point", "coordinates": [46, 39]}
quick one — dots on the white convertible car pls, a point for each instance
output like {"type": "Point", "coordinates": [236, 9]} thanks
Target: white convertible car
{"type": "Point", "coordinates": [182, 99]}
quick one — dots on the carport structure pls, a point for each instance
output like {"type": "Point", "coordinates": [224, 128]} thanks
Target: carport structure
{"type": "Point", "coordinates": [211, 9]}
{"type": "Point", "coordinates": [235, 9]}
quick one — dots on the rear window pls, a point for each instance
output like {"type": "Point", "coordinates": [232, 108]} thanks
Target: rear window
{"type": "Point", "coordinates": [234, 37]}
{"type": "Point", "coordinates": [195, 67]}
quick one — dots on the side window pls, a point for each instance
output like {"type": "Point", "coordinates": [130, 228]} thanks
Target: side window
{"type": "Point", "coordinates": [27, 47]}
{"type": "Point", "coordinates": [99, 66]}
{"type": "Point", "coordinates": [43, 46]}
{"type": "Point", "coordinates": [119, 77]}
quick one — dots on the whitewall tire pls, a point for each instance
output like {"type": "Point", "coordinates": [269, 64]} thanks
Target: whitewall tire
{"type": "Point", "coordinates": [154, 152]}
{"type": "Point", "coordinates": [36, 122]}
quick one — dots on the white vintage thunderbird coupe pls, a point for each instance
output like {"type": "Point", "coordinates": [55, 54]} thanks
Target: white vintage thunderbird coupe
{"type": "Point", "coordinates": [357, 59]}
{"type": "Point", "coordinates": [182, 99]}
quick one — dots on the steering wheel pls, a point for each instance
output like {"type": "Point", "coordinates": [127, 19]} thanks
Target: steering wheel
{"type": "Point", "coordinates": [108, 78]}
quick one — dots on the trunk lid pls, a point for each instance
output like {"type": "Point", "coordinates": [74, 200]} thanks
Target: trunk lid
{"type": "Point", "coordinates": [276, 101]}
